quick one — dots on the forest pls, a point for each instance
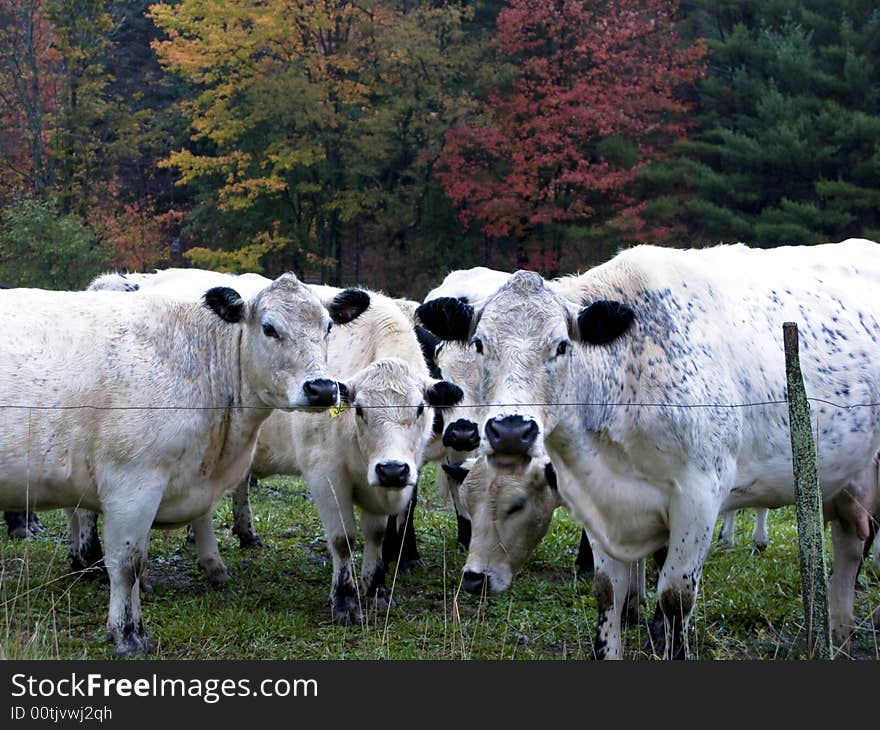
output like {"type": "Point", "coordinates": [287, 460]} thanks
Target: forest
{"type": "Point", "coordinates": [391, 141]}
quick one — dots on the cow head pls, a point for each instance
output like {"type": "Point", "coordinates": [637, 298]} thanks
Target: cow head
{"type": "Point", "coordinates": [509, 512]}
{"type": "Point", "coordinates": [284, 339]}
{"type": "Point", "coordinates": [393, 412]}
{"type": "Point", "coordinates": [522, 337]}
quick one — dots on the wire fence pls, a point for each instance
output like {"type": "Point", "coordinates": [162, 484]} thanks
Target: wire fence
{"type": "Point", "coordinates": [535, 404]}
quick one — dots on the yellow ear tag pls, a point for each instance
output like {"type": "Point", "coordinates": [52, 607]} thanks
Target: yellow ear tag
{"type": "Point", "coordinates": [337, 411]}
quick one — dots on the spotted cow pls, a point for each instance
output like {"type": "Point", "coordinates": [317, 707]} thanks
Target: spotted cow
{"type": "Point", "coordinates": [661, 402]}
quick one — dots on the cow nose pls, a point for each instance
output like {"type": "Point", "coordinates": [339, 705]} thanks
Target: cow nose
{"type": "Point", "coordinates": [462, 435]}
{"type": "Point", "coordinates": [511, 434]}
{"type": "Point", "coordinates": [393, 474]}
{"type": "Point", "coordinates": [475, 582]}
{"type": "Point", "coordinates": [321, 392]}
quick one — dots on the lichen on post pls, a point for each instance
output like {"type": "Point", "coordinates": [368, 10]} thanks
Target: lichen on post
{"type": "Point", "coordinates": [808, 501]}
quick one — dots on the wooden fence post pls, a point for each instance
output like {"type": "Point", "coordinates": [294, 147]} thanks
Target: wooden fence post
{"type": "Point", "coordinates": [808, 499]}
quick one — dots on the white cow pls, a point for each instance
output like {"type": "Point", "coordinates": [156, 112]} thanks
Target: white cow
{"type": "Point", "coordinates": [84, 374]}
{"type": "Point", "coordinates": [641, 417]}
{"type": "Point", "coordinates": [760, 537]}
{"type": "Point", "coordinates": [186, 285]}
{"type": "Point", "coordinates": [368, 456]}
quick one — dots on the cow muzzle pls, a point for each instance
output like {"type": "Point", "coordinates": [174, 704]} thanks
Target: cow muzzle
{"type": "Point", "coordinates": [321, 392]}
{"type": "Point", "coordinates": [511, 435]}
{"type": "Point", "coordinates": [477, 583]}
{"type": "Point", "coordinates": [392, 474]}
{"type": "Point", "coordinates": [462, 435]}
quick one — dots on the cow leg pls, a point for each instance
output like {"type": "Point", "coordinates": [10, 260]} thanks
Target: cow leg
{"type": "Point", "coordinates": [373, 570]}
{"type": "Point", "coordinates": [692, 517]}
{"type": "Point", "coordinates": [760, 537]}
{"type": "Point", "coordinates": [207, 550]}
{"type": "Point", "coordinates": [636, 594]}
{"type": "Point", "coordinates": [584, 563]}
{"type": "Point", "coordinates": [728, 527]}
{"type": "Point", "coordinates": [17, 524]}
{"type": "Point", "coordinates": [84, 543]}
{"type": "Point", "coordinates": [611, 585]}
{"type": "Point", "coordinates": [126, 538]}
{"type": "Point", "coordinates": [334, 505]}
{"type": "Point", "coordinates": [33, 523]}
{"type": "Point", "coordinates": [242, 516]}
{"type": "Point", "coordinates": [399, 543]}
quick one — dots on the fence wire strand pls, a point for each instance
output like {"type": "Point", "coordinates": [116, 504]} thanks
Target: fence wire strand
{"type": "Point", "coordinates": [318, 409]}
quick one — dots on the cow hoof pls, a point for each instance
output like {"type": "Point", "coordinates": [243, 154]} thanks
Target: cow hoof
{"type": "Point", "coordinates": [215, 571]}
{"type": "Point", "coordinates": [381, 598]}
{"type": "Point", "coordinates": [758, 548]}
{"type": "Point", "coordinates": [724, 542]}
{"type": "Point", "coordinates": [133, 644]}
{"type": "Point", "coordinates": [21, 533]}
{"type": "Point", "coordinates": [347, 611]}
{"type": "Point", "coordinates": [251, 540]}
{"type": "Point", "coordinates": [349, 617]}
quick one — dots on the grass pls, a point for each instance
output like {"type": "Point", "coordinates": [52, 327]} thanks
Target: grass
{"type": "Point", "coordinates": [277, 607]}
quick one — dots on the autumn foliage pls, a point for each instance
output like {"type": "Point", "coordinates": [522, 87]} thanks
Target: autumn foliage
{"type": "Point", "coordinates": [592, 96]}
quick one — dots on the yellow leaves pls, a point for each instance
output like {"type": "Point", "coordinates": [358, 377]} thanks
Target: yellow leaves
{"type": "Point", "coordinates": [247, 258]}
{"type": "Point", "coordinates": [193, 166]}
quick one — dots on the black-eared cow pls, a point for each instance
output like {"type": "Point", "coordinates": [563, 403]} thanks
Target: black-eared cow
{"type": "Point", "coordinates": [84, 373]}
{"type": "Point", "coordinates": [640, 397]}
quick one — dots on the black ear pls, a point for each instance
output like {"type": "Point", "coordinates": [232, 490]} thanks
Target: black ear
{"type": "Point", "coordinates": [550, 476]}
{"type": "Point", "coordinates": [226, 303]}
{"type": "Point", "coordinates": [448, 318]}
{"type": "Point", "coordinates": [348, 305]}
{"type": "Point", "coordinates": [603, 322]}
{"type": "Point", "coordinates": [444, 393]}
{"type": "Point", "coordinates": [429, 345]}
{"type": "Point", "coordinates": [456, 472]}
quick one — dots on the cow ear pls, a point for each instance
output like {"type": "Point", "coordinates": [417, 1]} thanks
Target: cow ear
{"type": "Point", "coordinates": [443, 393]}
{"type": "Point", "coordinates": [550, 476]}
{"type": "Point", "coordinates": [604, 321]}
{"type": "Point", "coordinates": [348, 305]}
{"type": "Point", "coordinates": [226, 303]}
{"type": "Point", "coordinates": [456, 472]}
{"type": "Point", "coordinates": [430, 347]}
{"type": "Point", "coordinates": [448, 318]}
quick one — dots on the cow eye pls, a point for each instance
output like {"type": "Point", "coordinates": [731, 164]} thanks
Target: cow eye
{"type": "Point", "coordinates": [270, 331]}
{"type": "Point", "coordinates": [329, 326]}
{"type": "Point", "coordinates": [478, 345]}
{"type": "Point", "coordinates": [516, 506]}
{"type": "Point", "coordinates": [359, 410]}
{"type": "Point", "coordinates": [420, 410]}
{"type": "Point", "coordinates": [562, 348]}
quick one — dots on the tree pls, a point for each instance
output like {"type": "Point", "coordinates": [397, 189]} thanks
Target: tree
{"type": "Point", "coordinates": [40, 248]}
{"type": "Point", "coordinates": [29, 69]}
{"type": "Point", "coordinates": [315, 124]}
{"type": "Point", "coordinates": [590, 93]}
{"type": "Point", "coordinates": [788, 146]}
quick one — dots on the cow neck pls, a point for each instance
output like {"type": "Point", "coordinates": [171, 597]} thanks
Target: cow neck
{"type": "Point", "coordinates": [596, 383]}
{"type": "Point", "coordinates": [227, 385]}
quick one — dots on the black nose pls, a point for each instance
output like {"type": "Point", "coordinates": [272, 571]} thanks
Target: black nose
{"type": "Point", "coordinates": [393, 474]}
{"type": "Point", "coordinates": [462, 435]}
{"type": "Point", "coordinates": [475, 582]}
{"type": "Point", "coordinates": [511, 435]}
{"type": "Point", "coordinates": [321, 392]}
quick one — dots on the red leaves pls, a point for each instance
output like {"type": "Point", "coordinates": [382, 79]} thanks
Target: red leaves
{"type": "Point", "coordinates": [587, 72]}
